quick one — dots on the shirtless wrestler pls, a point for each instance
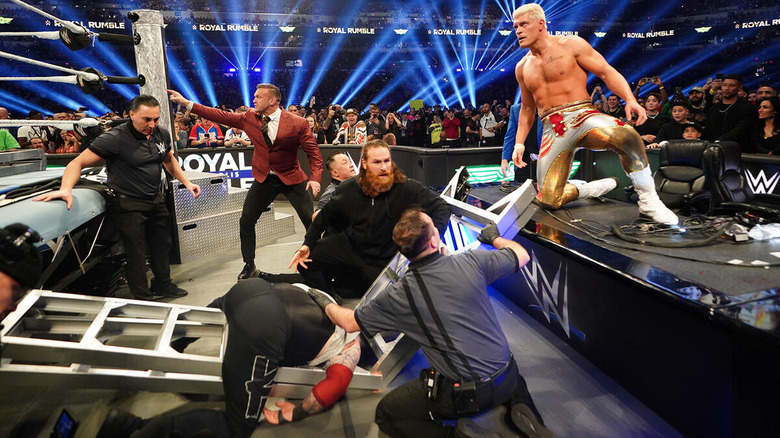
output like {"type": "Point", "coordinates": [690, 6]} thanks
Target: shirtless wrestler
{"type": "Point", "coordinates": [552, 78]}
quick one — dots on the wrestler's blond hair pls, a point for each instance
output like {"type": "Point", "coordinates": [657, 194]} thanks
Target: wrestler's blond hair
{"type": "Point", "coordinates": [534, 11]}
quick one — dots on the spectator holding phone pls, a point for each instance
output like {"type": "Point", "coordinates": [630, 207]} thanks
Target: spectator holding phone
{"type": "Point", "coordinates": [655, 80]}
{"type": "Point", "coordinates": [206, 134]}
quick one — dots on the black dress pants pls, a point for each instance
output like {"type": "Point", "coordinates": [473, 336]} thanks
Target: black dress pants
{"type": "Point", "coordinates": [406, 410]}
{"type": "Point", "coordinates": [142, 223]}
{"type": "Point", "coordinates": [260, 196]}
{"type": "Point", "coordinates": [259, 328]}
{"type": "Point", "coordinates": [333, 257]}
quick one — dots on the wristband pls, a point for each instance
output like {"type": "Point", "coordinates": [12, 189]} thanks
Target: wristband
{"type": "Point", "coordinates": [298, 414]}
{"type": "Point", "coordinates": [519, 144]}
{"type": "Point", "coordinates": [661, 87]}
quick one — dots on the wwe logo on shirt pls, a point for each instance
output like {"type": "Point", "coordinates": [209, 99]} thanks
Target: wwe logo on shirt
{"type": "Point", "coordinates": [161, 147]}
{"type": "Point", "coordinates": [552, 297]}
{"type": "Point", "coordinates": [760, 183]}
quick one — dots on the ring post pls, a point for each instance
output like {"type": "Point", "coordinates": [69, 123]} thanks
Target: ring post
{"type": "Point", "coordinates": [152, 63]}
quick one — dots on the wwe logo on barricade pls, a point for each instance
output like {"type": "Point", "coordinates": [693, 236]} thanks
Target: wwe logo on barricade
{"type": "Point", "coordinates": [552, 298]}
{"type": "Point", "coordinates": [760, 183]}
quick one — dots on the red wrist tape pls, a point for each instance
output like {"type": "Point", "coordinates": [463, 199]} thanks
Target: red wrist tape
{"type": "Point", "coordinates": [333, 386]}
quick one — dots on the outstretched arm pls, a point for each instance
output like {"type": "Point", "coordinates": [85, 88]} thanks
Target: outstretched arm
{"type": "Point", "coordinates": [235, 120]}
{"type": "Point", "coordinates": [71, 177]}
{"type": "Point", "coordinates": [589, 59]}
{"type": "Point", "coordinates": [338, 370]}
{"type": "Point", "coordinates": [489, 235]}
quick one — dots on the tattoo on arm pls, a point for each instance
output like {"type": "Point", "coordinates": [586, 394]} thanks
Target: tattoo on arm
{"type": "Point", "coordinates": [348, 357]}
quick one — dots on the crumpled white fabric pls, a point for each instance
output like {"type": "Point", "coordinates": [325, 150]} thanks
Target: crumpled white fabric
{"type": "Point", "coordinates": [764, 232]}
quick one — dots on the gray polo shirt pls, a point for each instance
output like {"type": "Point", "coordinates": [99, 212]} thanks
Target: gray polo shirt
{"type": "Point", "coordinates": [327, 193]}
{"type": "Point", "coordinates": [457, 285]}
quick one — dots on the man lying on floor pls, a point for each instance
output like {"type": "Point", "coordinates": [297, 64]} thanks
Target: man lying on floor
{"type": "Point", "coordinates": [269, 326]}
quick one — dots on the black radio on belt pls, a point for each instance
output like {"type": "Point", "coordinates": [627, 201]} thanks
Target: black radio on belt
{"type": "Point", "coordinates": [431, 378]}
{"type": "Point", "coordinates": [464, 396]}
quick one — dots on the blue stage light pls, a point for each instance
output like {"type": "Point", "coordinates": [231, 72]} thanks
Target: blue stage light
{"type": "Point", "coordinates": [300, 74]}
{"type": "Point", "coordinates": [334, 46]}
{"type": "Point", "coordinates": [179, 81]}
{"type": "Point", "coordinates": [359, 72]}
{"type": "Point", "coordinates": [738, 66]}
{"type": "Point", "coordinates": [200, 62]}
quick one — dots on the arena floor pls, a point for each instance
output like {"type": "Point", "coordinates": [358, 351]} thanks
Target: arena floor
{"type": "Point", "coordinates": [575, 398]}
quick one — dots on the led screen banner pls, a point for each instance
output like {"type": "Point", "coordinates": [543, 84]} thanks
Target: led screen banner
{"type": "Point", "coordinates": [236, 163]}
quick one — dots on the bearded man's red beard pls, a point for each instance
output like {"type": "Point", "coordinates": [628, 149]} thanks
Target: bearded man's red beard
{"type": "Point", "coordinates": [373, 185]}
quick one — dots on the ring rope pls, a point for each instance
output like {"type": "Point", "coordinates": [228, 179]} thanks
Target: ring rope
{"type": "Point", "coordinates": [48, 35]}
{"type": "Point", "coordinates": [86, 122]}
{"type": "Point", "coordinates": [63, 79]}
{"type": "Point", "coordinates": [87, 76]}
{"type": "Point", "coordinates": [73, 27]}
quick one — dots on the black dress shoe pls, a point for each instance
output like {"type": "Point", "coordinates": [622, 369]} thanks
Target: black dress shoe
{"type": "Point", "coordinates": [529, 422]}
{"type": "Point", "coordinates": [170, 291]}
{"type": "Point", "coordinates": [150, 297]}
{"type": "Point", "coordinates": [249, 271]}
{"type": "Point", "coordinates": [466, 428]}
{"type": "Point", "coordinates": [174, 292]}
{"type": "Point", "coordinates": [120, 424]}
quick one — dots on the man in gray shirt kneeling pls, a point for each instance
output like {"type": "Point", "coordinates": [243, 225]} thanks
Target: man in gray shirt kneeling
{"type": "Point", "coordinates": [442, 303]}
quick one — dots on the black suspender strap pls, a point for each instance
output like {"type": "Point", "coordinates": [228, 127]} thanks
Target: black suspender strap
{"type": "Point", "coordinates": [437, 320]}
{"type": "Point", "coordinates": [421, 322]}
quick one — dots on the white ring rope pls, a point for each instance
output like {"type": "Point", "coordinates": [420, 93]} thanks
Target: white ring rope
{"type": "Point", "coordinates": [48, 35]}
{"type": "Point", "coordinates": [63, 79]}
{"type": "Point", "coordinates": [91, 77]}
{"type": "Point", "coordinates": [73, 27]}
{"type": "Point", "coordinates": [86, 122]}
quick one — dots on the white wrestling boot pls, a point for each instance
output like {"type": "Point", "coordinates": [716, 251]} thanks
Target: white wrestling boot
{"type": "Point", "coordinates": [597, 188]}
{"type": "Point", "coordinates": [649, 203]}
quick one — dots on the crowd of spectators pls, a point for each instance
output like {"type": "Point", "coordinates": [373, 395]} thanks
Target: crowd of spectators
{"type": "Point", "coordinates": [719, 109]}
{"type": "Point", "coordinates": [425, 128]}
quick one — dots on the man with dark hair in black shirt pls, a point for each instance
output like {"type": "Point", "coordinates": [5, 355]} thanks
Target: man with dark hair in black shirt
{"type": "Point", "coordinates": [731, 118]}
{"type": "Point", "coordinates": [135, 154]}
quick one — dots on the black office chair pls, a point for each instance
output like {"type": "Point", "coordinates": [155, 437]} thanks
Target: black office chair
{"type": "Point", "coordinates": [680, 180]}
{"type": "Point", "coordinates": [730, 191]}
